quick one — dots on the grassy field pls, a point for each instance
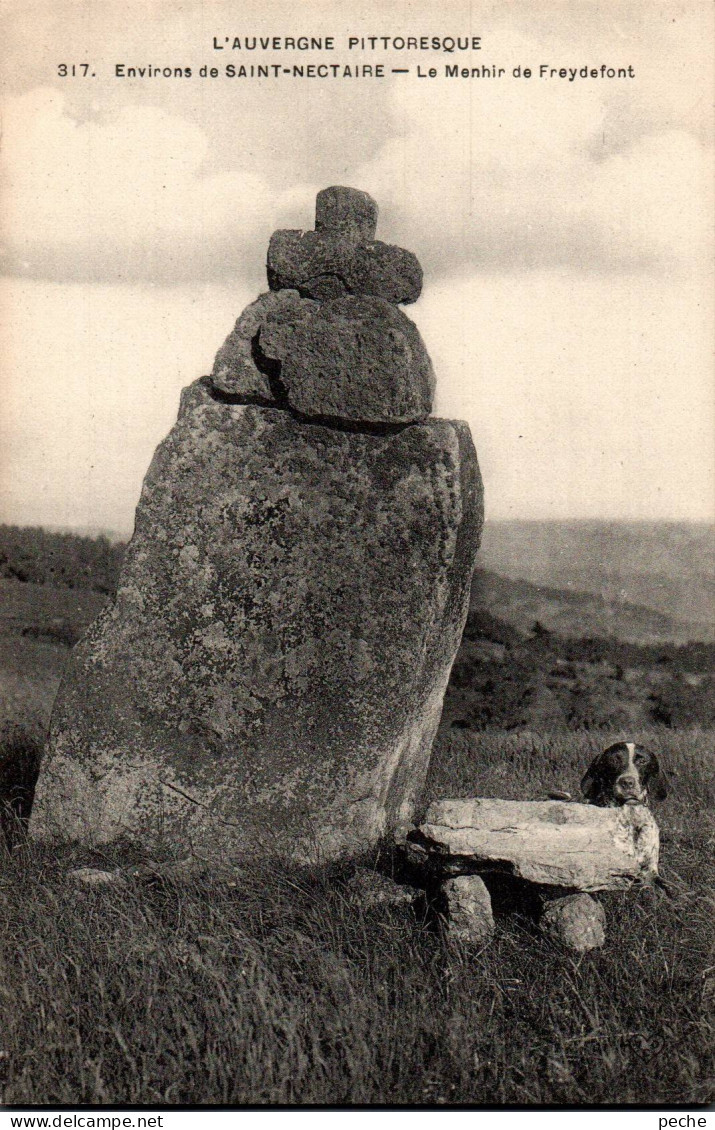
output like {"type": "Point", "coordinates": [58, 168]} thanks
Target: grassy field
{"type": "Point", "coordinates": [38, 623]}
{"type": "Point", "coordinates": [271, 986]}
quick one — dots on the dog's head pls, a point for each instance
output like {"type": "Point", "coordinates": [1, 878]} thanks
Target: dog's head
{"type": "Point", "coordinates": [625, 773]}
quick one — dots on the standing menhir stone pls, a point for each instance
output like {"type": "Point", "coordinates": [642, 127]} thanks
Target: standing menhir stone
{"type": "Point", "coordinates": [270, 676]}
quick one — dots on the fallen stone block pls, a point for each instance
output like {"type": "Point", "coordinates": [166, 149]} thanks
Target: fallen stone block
{"type": "Point", "coordinates": [469, 909]}
{"type": "Point", "coordinates": [577, 846]}
{"type": "Point", "coordinates": [576, 921]}
{"type": "Point", "coordinates": [95, 877]}
{"type": "Point", "coordinates": [354, 359]}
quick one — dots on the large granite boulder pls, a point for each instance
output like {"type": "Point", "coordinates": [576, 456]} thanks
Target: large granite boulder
{"type": "Point", "coordinates": [271, 674]}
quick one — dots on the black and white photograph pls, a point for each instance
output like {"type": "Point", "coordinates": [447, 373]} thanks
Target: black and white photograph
{"type": "Point", "coordinates": [357, 558]}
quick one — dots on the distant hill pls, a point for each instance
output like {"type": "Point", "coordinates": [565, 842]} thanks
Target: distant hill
{"type": "Point", "coordinates": [93, 532]}
{"type": "Point", "coordinates": [578, 614]}
{"type": "Point", "coordinates": [533, 656]}
{"type": "Point", "coordinates": [630, 568]}
{"type": "Point", "coordinates": [32, 555]}
{"type": "Point", "coordinates": [640, 583]}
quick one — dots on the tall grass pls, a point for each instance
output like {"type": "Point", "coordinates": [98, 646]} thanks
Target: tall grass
{"type": "Point", "coordinates": [273, 986]}
{"type": "Point", "coordinates": [20, 754]}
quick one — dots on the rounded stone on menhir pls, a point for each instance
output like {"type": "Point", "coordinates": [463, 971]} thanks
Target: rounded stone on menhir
{"type": "Point", "coordinates": [235, 371]}
{"type": "Point", "coordinates": [355, 359]}
{"type": "Point", "coordinates": [346, 210]}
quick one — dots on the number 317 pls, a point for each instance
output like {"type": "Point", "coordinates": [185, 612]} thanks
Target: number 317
{"type": "Point", "coordinates": [72, 70]}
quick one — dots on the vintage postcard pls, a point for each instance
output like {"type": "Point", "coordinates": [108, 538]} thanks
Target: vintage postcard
{"type": "Point", "coordinates": [357, 464]}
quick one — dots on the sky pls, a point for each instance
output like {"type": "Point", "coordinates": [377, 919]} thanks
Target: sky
{"type": "Point", "coordinates": [565, 229]}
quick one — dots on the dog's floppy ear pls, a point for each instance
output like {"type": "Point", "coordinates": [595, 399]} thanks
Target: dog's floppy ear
{"type": "Point", "coordinates": [658, 786]}
{"type": "Point", "coordinates": [656, 780]}
{"type": "Point", "coordinates": [591, 782]}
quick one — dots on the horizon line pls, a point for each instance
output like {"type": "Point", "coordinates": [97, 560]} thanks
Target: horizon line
{"type": "Point", "coordinates": [125, 534]}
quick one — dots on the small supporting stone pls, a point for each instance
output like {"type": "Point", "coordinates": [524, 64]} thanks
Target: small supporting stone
{"type": "Point", "coordinates": [368, 889]}
{"type": "Point", "coordinates": [576, 921]}
{"type": "Point", "coordinates": [469, 909]}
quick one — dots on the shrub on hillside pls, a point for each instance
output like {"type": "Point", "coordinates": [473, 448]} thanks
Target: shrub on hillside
{"type": "Point", "coordinates": [680, 703]}
{"type": "Point", "coordinates": [481, 625]}
{"type": "Point", "coordinates": [501, 680]}
{"type": "Point", "coordinates": [31, 554]}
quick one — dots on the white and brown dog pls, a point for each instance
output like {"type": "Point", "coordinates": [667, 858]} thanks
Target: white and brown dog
{"type": "Point", "coordinates": [625, 773]}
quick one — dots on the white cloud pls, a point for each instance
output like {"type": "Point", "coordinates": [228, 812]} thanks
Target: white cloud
{"type": "Point", "coordinates": [91, 385]}
{"type": "Point", "coordinates": [122, 198]}
{"type": "Point", "coordinates": [588, 396]}
{"type": "Point", "coordinates": [484, 173]}
{"type": "Point", "coordinates": [564, 229]}
{"type": "Point", "coordinates": [512, 177]}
